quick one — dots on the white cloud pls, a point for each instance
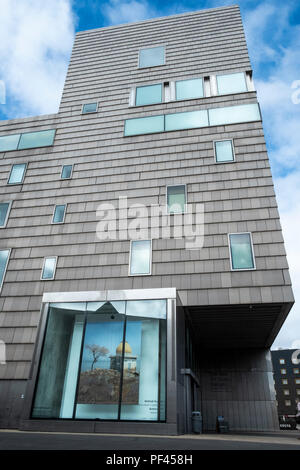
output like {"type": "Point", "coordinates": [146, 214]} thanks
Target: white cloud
{"type": "Point", "coordinates": [35, 43]}
{"type": "Point", "coordinates": [127, 11]}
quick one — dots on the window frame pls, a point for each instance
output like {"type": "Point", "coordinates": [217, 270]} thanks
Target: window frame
{"type": "Point", "coordinates": [215, 151]}
{"type": "Point", "coordinates": [7, 213]}
{"type": "Point", "coordinates": [43, 267]}
{"type": "Point", "coordinates": [252, 251]}
{"type": "Point", "coordinates": [63, 221]}
{"type": "Point", "coordinates": [185, 197]}
{"type": "Point", "coordinates": [6, 266]}
{"type": "Point", "coordinates": [151, 47]}
{"type": "Point", "coordinates": [90, 112]}
{"type": "Point", "coordinates": [71, 175]}
{"type": "Point", "coordinates": [23, 177]}
{"type": "Point", "coordinates": [150, 261]}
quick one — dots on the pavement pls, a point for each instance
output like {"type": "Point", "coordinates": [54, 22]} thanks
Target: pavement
{"type": "Point", "coordinates": [12, 440]}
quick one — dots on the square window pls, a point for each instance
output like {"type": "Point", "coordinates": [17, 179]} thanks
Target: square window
{"type": "Point", "coordinates": [298, 392]}
{"type": "Point", "coordinates": [4, 213]}
{"type": "Point", "coordinates": [284, 381]}
{"type": "Point", "coordinates": [286, 392]}
{"type": "Point", "coordinates": [48, 271]}
{"type": "Point", "coordinates": [148, 95]}
{"type": "Point", "coordinates": [189, 89]}
{"type": "Point", "coordinates": [224, 151]}
{"type": "Point", "coordinates": [241, 252]}
{"type": "Point", "coordinates": [296, 370]}
{"type": "Point", "coordinates": [4, 256]}
{"type": "Point", "coordinates": [140, 257]}
{"type": "Point", "coordinates": [176, 199]}
{"type": "Point", "coordinates": [283, 371]}
{"type": "Point", "coordinates": [66, 172]}
{"type": "Point", "coordinates": [281, 361]}
{"type": "Point", "coordinates": [287, 403]}
{"type": "Point", "coordinates": [297, 381]}
{"type": "Point", "coordinates": [152, 56]}
{"type": "Point", "coordinates": [231, 83]}
{"type": "Point", "coordinates": [59, 214]}
{"type": "Point", "coordinates": [17, 173]}
{"type": "Point", "coordinates": [89, 108]}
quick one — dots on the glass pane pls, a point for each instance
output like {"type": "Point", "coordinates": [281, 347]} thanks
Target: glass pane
{"type": "Point", "coordinates": [234, 114]}
{"type": "Point", "coordinates": [89, 108]}
{"type": "Point", "coordinates": [152, 56]}
{"type": "Point", "coordinates": [111, 307]}
{"type": "Point", "coordinates": [176, 199]}
{"type": "Point", "coordinates": [66, 171]}
{"type": "Point", "coordinates": [4, 254]}
{"type": "Point", "coordinates": [188, 89]}
{"type": "Point", "coordinates": [144, 125]}
{"type": "Point", "coordinates": [140, 257]}
{"type": "Point", "coordinates": [147, 308]}
{"type": "Point", "coordinates": [9, 142]}
{"type": "Point", "coordinates": [241, 251]}
{"type": "Point", "coordinates": [36, 139]}
{"type": "Point", "coordinates": [101, 366]}
{"type": "Point", "coordinates": [148, 95]}
{"type": "Point", "coordinates": [56, 386]}
{"type": "Point", "coordinates": [141, 370]}
{"type": "Point", "coordinates": [49, 268]}
{"type": "Point", "coordinates": [3, 212]}
{"type": "Point", "coordinates": [231, 83]}
{"type": "Point", "coordinates": [188, 120]}
{"type": "Point", "coordinates": [224, 151]}
{"type": "Point", "coordinates": [17, 173]}
{"type": "Point", "coordinates": [59, 214]}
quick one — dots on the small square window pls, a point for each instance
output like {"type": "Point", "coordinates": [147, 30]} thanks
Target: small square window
{"type": "Point", "coordinates": [89, 108]}
{"type": "Point", "coordinates": [49, 267]}
{"type": "Point", "coordinates": [284, 381]}
{"type": "Point", "coordinates": [287, 403]}
{"type": "Point", "coordinates": [176, 199]}
{"type": "Point", "coordinates": [59, 214]}
{"type": "Point", "coordinates": [152, 56]}
{"type": "Point", "coordinates": [224, 151]}
{"type": "Point", "coordinates": [298, 391]}
{"type": "Point", "coordinates": [281, 361]}
{"type": "Point", "coordinates": [286, 392]}
{"type": "Point", "coordinates": [241, 251]}
{"type": "Point", "coordinates": [296, 370]}
{"type": "Point", "coordinates": [66, 172]}
{"type": "Point", "coordinates": [140, 257]}
{"type": "Point", "coordinates": [151, 94]}
{"type": "Point", "coordinates": [17, 173]}
{"type": "Point", "coordinates": [297, 381]}
{"type": "Point", "coordinates": [283, 371]}
{"type": "Point", "coordinates": [4, 213]}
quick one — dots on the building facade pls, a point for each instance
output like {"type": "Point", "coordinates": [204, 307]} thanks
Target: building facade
{"type": "Point", "coordinates": [286, 366]}
{"type": "Point", "coordinates": [143, 213]}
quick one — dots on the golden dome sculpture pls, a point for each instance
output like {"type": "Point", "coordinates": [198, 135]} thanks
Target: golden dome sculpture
{"type": "Point", "coordinates": [119, 350]}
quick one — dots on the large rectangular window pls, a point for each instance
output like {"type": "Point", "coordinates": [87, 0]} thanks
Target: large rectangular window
{"type": "Point", "coordinates": [231, 83]}
{"type": "Point", "coordinates": [234, 114]}
{"type": "Point", "coordinates": [17, 173]}
{"type": "Point", "coordinates": [4, 256]}
{"type": "Point", "coordinates": [187, 120]}
{"type": "Point", "coordinates": [103, 360]}
{"type": "Point", "coordinates": [49, 267]}
{"type": "Point", "coordinates": [140, 257]}
{"type": "Point", "coordinates": [146, 125]}
{"type": "Point", "coordinates": [224, 151]}
{"type": "Point", "coordinates": [189, 89]}
{"type": "Point", "coordinates": [36, 139]}
{"type": "Point", "coordinates": [152, 56]}
{"type": "Point", "coordinates": [148, 95]}
{"type": "Point", "coordinates": [4, 213]}
{"type": "Point", "coordinates": [9, 142]}
{"type": "Point", "coordinates": [59, 214]}
{"type": "Point", "coordinates": [176, 199]}
{"type": "Point", "coordinates": [241, 251]}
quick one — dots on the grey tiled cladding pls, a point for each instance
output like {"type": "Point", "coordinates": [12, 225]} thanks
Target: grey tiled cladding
{"type": "Point", "coordinates": [238, 196]}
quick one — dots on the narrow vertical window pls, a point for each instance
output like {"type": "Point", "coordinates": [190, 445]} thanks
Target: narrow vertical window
{"type": "Point", "coordinates": [176, 199]}
{"type": "Point", "coordinates": [241, 252]}
{"type": "Point", "coordinates": [66, 172]}
{"type": "Point", "coordinates": [224, 151]}
{"type": "Point", "coordinates": [140, 257]}
{"type": "Point", "coordinates": [4, 256]}
{"type": "Point", "coordinates": [4, 213]}
{"type": "Point", "coordinates": [59, 214]}
{"type": "Point", "coordinates": [49, 267]}
{"type": "Point", "coordinates": [17, 173]}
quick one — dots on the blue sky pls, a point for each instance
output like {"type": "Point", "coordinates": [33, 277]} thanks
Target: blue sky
{"type": "Point", "coordinates": [36, 39]}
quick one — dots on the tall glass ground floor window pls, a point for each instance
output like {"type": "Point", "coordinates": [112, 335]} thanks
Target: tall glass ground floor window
{"type": "Point", "coordinates": [103, 360]}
